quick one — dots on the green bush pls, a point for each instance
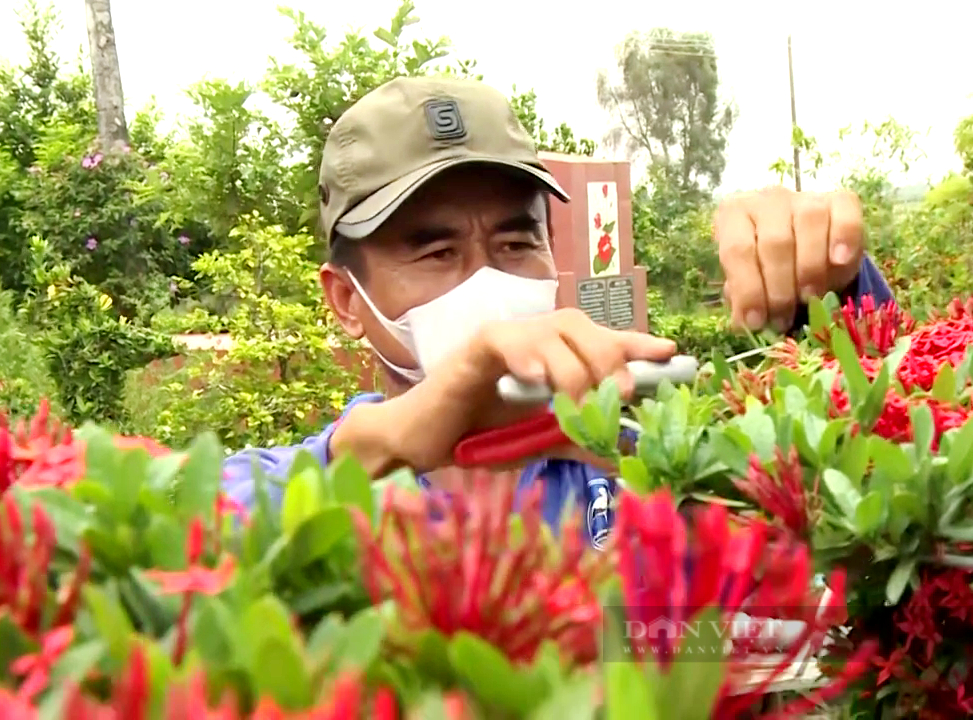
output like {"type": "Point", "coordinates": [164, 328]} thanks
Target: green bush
{"type": "Point", "coordinates": [698, 334]}
{"type": "Point", "coordinates": [280, 380]}
{"type": "Point", "coordinates": [87, 346]}
{"type": "Point", "coordinates": [24, 375]}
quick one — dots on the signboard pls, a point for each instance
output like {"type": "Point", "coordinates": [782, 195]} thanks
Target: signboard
{"type": "Point", "coordinates": [609, 301]}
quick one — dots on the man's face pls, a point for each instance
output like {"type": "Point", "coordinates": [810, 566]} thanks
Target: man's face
{"type": "Point", "coordinates": [460, 222]}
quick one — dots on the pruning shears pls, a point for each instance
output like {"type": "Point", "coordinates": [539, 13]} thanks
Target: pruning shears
{"type": "Point", "coordinates": [678, 370]}
{"type": "Point", "coordinates": [533, 436]}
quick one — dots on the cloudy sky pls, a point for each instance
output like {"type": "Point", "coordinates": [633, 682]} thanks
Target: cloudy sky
{"type": "Point", "coordinates": [854, 59]}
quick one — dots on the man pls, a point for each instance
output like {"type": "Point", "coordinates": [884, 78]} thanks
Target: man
{"type": "Point", "coordinates": [436, 208]}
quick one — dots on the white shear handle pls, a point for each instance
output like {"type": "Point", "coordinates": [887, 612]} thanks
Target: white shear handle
{"type": "Point", "coordinates": [679, 370]}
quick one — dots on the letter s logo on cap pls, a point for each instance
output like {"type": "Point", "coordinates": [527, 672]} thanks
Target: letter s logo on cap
{"type": "Point", "coordinates": [444, 120]}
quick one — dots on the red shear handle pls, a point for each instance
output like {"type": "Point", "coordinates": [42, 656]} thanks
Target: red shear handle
{"type": "Point", "coordinates": [505, 445]}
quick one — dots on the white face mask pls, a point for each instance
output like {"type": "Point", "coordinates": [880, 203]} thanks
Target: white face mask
{"type": "Point", "coordinates": [431, 331]}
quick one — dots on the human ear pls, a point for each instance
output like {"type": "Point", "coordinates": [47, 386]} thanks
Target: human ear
{"type": "Point", "coordinates": [340, 295]}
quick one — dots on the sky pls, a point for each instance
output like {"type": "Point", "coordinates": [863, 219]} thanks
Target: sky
{"type": "Point", "coordinates": [854, 60]}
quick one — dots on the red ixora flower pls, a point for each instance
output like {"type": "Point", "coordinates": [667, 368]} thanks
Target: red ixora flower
{"type": "Point", "coordinates": [348, 699]}
{"type": "Point", "coordinates": [781, 492]}
{"type": "Point", "coordinates": [874, 329]}
{"type": "Point", "coordinates": [194, 580]}
{"type": "Point", "coordinates": [35, 668]}
{"type": "Point", "coordinates": [14, 707]}
{"type": "Point", "coordinates": [672, 570]}
{"type": "Point", "coordinates": [25, 566]}
{"type": "Point", "coordinates": [44, 452]}
{"type": "Point", "coordinates": [466, 570]}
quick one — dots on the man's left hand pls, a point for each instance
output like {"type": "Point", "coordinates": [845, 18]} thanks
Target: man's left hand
{"type": "Point", "coordinates": [779, 248]}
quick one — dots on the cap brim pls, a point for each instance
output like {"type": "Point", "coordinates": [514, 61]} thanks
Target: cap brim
{"type": "Point", "coordinates": [366, 217]}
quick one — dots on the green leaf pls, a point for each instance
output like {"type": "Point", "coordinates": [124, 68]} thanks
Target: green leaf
{"type": "Point", "coordinates": [844, 350]}
{"type": "Point", "coordinates": [629, 693]}
{"type": "Point", "coordinates": [166, 539]}
{"type": "Point", "coordinates": [594, 428]}
{"type": "Point", "coordinates": [569, 418]}
{"type": "Point", "coordinates": [69, 515]}
{"type": "Point", "coordinates": [635, 475]}
{"type": "Point", "coordinates": [501, 687]}
{"type": "Point", "coordinates": [923, 428]}
{"type": "Point", "coordinates": [214, 632]}
{"type": "Point", "coordinates": [598, 266]}
{"type": "Point", "coordinates": [819, 322]}
{"type": "Point", "coordinates": [574, 700]}
{"type": "Point", "coordinates": [279, 672]}
{"type": "Point", "coordinates": [266, 618]}
{"type": "Point", "coordinates": [869, 513]}
{"type": "Point", "coordinates": [890, 460]}
{"type": "Point", "coordinates": [351, 485]}
{"type": "Point", "coordinates": [870, 410]}
{"type": "Point", "coordinates": [944, 387]}
{"type": "Point", "coordinates": [960, 463]}
{"type": "Point", "coordinates": [74, 666]}
{"type": "Point", "coordinates": [855, 458]}
{"type": "Point", "coordinates": [201, 478]}
{"type": "Point", "coordinates": [386, 37]}
{"type": "Point", "coordinates": [163, 470]}
{"type": "Point", "coordinates": [316, 536]}
{"type": "Point", "coordinates": [304, 493]}
{"type": "Point", "coordinates": [609, 226]}
{"type": "Point", "coordinates": [697, 673]}
{"type": "Point", "coordinates": [360, 642]}
{"type": "Point", "coordinates": [844, 493]}
{"type": "Point", "coordinates": [13, 642]}
{"type": "Point", "coordinates": [759, 427]}
{"type": "Point", "coordinates": [609, 403]}
{"type": "Point", "coordinates": [899, 579]}
{"type": "Point", "coordinates": [110, 621]}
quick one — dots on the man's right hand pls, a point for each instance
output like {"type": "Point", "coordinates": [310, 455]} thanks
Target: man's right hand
{"type": "Point", "coordinates": [564, 349]}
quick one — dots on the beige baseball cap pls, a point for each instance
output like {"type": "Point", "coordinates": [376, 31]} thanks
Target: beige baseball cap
{"type": "Point", "coordinates": [406, 132]}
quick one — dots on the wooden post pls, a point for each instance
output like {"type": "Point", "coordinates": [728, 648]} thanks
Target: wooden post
{"type": "Point", "coordinates": [107, 77]}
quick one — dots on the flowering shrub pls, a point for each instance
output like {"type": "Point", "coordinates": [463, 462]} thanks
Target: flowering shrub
{"type": "Point", "coordinates": [857, 442]}
{"type": "Point", "coordinates": [130, 586]}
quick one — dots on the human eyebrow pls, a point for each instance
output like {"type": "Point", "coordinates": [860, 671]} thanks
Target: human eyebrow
{"type": "Point", "coordinates": [522, 222]}
{"type": "Point", "coordinates": [421, 237]}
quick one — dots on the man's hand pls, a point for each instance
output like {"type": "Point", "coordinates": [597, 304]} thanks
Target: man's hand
{"type": "Point", "coordinates": [564, 349]}
{"type": "Point", "coordinates": [779, 248]}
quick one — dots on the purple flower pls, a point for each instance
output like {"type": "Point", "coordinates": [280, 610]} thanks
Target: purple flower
{"type": "Point", "coordinates": [91, 244]}
{"type": "Point", "coordinates": [183, 240]}
{"type": "Point", "coordinates": [90, 162]}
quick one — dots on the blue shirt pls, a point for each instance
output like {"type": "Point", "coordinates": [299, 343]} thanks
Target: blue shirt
{"type": "Point", "coordinates": [566, 481]}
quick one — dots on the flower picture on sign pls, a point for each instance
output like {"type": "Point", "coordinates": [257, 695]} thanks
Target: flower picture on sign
{"type": "Point", "coordinates": [603, 228]}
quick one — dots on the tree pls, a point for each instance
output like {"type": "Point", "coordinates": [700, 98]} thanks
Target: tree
{"type": "Point", "coordinates": [665, 107]}
{"type": "Point", "coordinates": [562, 140]}
{"type": "Point", "coordinates": [106, 74]}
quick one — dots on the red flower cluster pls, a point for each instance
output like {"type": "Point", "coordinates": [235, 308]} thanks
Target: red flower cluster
{"type": "Point", "coordinates": [131, 700]}
{"type": "Point", "coordinates": [24, 570]}
{"type": "Point", "coordinates": [664, 574]}
{"type": "Point", "coordinates": [781, 492]}
{"type": "Point", "coordinates": [466, 571]}
{"type": "Point", "coordinates": [939, 612]}
{"type": "Point", "coordinates": [942, 340]}
{"type": "Point", "coordinates": [44, 452]}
